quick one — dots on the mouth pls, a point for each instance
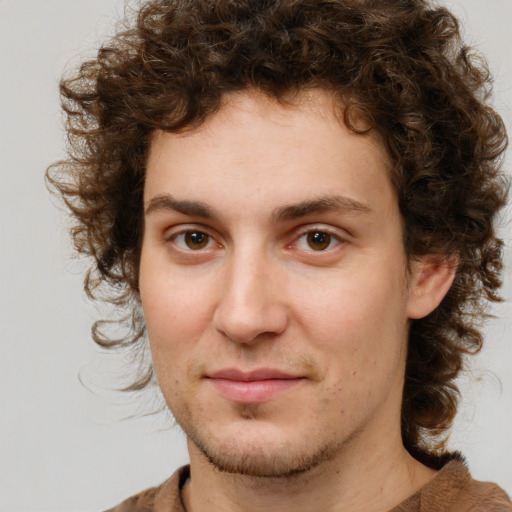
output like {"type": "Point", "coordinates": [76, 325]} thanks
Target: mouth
{"type": "Point", "coordinates": [254, 387]}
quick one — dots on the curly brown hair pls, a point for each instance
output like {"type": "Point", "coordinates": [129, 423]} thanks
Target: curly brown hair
{"type": "Point", "coordinates": [400, 62]}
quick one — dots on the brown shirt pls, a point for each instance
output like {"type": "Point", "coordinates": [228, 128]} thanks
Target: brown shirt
{"type": "Point", "coordinates": [451, 490]}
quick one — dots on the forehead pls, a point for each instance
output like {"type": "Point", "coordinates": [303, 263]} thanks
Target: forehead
{"type": "Point", "coordinates": [258, 149]}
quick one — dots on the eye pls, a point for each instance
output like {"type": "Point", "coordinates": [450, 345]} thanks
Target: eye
{"type": "Point", "coordinates": [317, 241]}
{"type": "Point", "coordinates": [193, 240]}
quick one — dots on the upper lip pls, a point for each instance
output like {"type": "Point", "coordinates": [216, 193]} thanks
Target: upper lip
{"type": "Point", "coordinates": [249, 376]}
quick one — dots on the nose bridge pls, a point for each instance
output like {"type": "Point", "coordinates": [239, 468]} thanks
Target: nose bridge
{"type": "Point", "coordinates": [251, 303]}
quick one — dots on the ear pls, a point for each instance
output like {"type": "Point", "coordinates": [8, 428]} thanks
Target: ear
{"type": "Point", "coordinates": [432, 277]}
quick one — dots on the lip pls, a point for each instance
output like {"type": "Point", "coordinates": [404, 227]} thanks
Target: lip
{"type": "Point", "coordinates": [253, 387]}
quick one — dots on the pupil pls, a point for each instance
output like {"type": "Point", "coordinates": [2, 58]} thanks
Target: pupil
{"type": "Point", "coordinates": [319, 240]}
{"type": "Point", "coordinates": [196, 239]}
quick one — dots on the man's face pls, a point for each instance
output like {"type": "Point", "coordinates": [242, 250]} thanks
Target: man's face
{"type": "Point", "coordinates": [273, 282]}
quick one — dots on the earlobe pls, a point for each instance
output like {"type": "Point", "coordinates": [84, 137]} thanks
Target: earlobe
{"type": "Point", "coordinates": [431, 279]}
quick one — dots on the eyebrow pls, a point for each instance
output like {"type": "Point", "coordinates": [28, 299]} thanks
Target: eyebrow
{"type": "Point", "coordinates": [192, 208]}
{"type": "Point", "coordinates": [335, 203]}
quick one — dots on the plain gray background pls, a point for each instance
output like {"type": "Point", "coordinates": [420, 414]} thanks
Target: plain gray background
{"type": "Point", "coordinates": [63, 447]}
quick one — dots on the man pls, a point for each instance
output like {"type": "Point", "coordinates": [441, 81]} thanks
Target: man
{"type": "Point", "coordinates": [296, 202]}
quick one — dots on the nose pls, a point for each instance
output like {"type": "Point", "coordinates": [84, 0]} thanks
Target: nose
{"type": "Point", "coordinates": [253, 305]}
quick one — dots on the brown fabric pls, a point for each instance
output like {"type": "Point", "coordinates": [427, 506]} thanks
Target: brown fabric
{"type": "Point", "coordinates": [164, 498]}
{"type": "Point", "coordinates": [451, 490]}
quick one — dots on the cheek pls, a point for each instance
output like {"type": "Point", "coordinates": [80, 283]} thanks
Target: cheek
{"type": "Point", "coordinates": [169, 330]}
{"type": "Point", "coordinates": [178, 310]}
{"type": "Point", "coordinates": [173, 302]}
{"type": "Point", "coordinates": [348, 304]}
{"type": "Point", "coordinates": [357, 319]}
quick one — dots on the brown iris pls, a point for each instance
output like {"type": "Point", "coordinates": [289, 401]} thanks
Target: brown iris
{"type": "Point", "coordinates": [318, 240]}
{"type": "Point", "coordinates": [196, 240]}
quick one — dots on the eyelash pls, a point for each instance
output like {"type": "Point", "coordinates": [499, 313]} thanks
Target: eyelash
{"type": "Point", "coordinates": [182, 234]}
{"type": "Point", "coordinates": [334, 240]}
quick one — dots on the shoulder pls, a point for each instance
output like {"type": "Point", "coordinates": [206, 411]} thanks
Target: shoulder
{"type": "Point", "coordinates": [166, 497]}
{"type": "Point", "coordinates": [454, 490]}
{"type": "Point", "coordinates": [487, 497]}
{"type": "Point", "coordinates": [141, 502]}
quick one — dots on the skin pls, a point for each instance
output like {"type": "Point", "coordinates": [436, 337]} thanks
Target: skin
{"type": "Point", "coordinates": [273, 243]}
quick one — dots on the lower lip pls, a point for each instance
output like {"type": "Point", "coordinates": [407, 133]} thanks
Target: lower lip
{"type": "Point", "coordinates": [253, 392]}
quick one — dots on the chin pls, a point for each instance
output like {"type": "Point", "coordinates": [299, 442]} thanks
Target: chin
{"type": "Point", "coordinates": [262, 459]}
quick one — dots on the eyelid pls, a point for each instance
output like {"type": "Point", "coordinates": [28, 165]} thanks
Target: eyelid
{"type": "Point", "coordinates": [172, 233]}
{"type": "Point", "coordinates": [338, 234]}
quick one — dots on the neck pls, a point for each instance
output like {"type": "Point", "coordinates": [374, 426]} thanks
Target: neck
{"type": "Point", "coordinates": [373, 480]}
